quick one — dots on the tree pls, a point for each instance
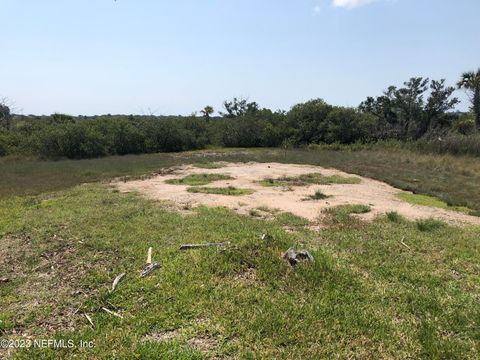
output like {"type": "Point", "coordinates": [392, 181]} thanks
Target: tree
{"type": "Point", "coordinates": [470, 81]}
{"type": "Point", "coordinates": [239, 107]}
{"type": "Point", "coordinates": [404, 113]}
{"type": "Point", "coordinates": [5, 115]}
{"type": "Point", "coordinates": [439, 103]}
{"type": "Point", "coordinates": [308, 121]}
{"type": "Point", "coordinates": [207, 111]}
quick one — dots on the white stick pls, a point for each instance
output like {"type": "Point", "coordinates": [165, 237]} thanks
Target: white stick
{"type": "Point", "coordinates": [117, 281]}
{"type": "Point", "coordinates": [401, 242]}
{"type": "Point", "coordinates": [89, 320]}
{"type": "Point", "coordinates": [112, 313]}
{"type": "Point", "coordinates": [149, 256]}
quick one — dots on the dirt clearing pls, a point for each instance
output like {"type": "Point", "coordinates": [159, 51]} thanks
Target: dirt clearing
{"type": "Point", "coordinates": [295, 198]}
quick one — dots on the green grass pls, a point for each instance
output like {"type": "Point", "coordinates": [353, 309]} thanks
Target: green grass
{"type": "Point", "coordinates": [230, 190]}
{"type": "Point", "coordinates": [426, 200]}
{"type": "Point", "coordinates": [395, 217]}
{"type": "Point", "coordinates": [341, 215]}
{"type": "Point", "coordinates": [317, 196]}
{"type": "Point", "coordinates": [365, 296]}
{"type": "Point", "coordinates": [453, 179]}
{"type": "Point", "coordinates": [198, 179]}
{"type": "Point", "coordinates": [429, 224]}
{"type": "Point", "coordinates": [308, 179]}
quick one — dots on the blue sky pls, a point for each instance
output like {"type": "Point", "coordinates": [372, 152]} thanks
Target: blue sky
{"type": "Point", "coordinates": [174, 57]}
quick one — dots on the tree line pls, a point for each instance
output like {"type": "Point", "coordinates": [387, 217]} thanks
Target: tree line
{"type": "Point", "coordinates": [420, 111]}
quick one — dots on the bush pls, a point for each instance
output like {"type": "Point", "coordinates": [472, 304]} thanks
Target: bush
{"type": "Point", "coordinates": [3, 144]}
{"type": "Point", "coordinates": [347, 126]}
{"type": "Point", "coordinates": [74, 141]}
{"type": "Point", "coordinates": [451, 144]}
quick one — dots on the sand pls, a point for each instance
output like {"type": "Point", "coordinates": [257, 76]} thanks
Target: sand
{"type": "Point", "coordinates": [380, 196]}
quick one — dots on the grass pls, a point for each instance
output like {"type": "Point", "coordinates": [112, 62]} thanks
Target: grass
{"type": "Point", "coordinates": [198, 179]}
{"type": "Point", "coordinates": [453, 179]}
{"type": "Point", "coordinates": [341, 214]}
{"type": "Point", "coordinates": [230, 190]}
{"type": "Point", "coordinates": [427, 200]}
{"type": "Point", "coordinates": [308, 179]}
{"type": "Point", "coordinates": [429, 224]}
{"type": "Point", "coordinates": [317, 196]}
{"type": "Point", "coordinates": [365, 296]}
{"type": "Point", "coordinates": [395, 217]}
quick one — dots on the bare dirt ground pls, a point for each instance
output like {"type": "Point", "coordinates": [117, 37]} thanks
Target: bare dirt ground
{"type": "Point", "coordinates": [380, 196]}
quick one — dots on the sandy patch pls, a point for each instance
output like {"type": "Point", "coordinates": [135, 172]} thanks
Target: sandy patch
{"type": "Point", "coordinates": [380, 196]}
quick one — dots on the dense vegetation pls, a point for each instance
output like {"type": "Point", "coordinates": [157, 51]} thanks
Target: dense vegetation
{"type": "Point", "coordinates": [419, 114]}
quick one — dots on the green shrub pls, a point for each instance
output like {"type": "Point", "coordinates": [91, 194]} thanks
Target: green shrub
{"type": "Point", "coordinates": [429, 224]}
{"type": "Point", "coordinates": [395, 217]}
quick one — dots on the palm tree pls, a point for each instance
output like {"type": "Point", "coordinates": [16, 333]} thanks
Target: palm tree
{"type": "Point", "coordinates": [470, 81]}
{"type": "Point", "coordinates": [207, 111]}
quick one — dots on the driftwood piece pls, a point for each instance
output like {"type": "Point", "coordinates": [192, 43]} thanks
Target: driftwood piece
{"type": "Point", "coordinates": [294, 258]}
{"type": "Point", "coordinates": [149, 269]}
{"type": "Point", "coordinates": [200, 246]}
{"type": "Point", "coordinates": [117, 281]}
{"type": "Point", "coordinates": [149, 256]}
{"type": "Point", "coordinates": [89, 320]}
{"type": "Point", "coordinates": [401, 242]}
{"type": "Point", "coordinates": [112, 312]}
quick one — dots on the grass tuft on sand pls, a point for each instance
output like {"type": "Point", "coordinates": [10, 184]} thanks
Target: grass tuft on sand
{"type": "Point", "coordinates": [309, 179]}
{"type": "Point", "coordinates": [198, 179]}
{"type": "Point", "coordinates": [317, 196]}
{"type": "Point", "coordinates": [230, 190]}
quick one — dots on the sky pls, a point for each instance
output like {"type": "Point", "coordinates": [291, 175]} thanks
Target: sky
{"type": "Point", "coordinates": [85, 57]}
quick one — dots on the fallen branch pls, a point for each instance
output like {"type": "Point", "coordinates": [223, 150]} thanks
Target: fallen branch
{"type": "Point", "coordinates": [149, 269]}
{"type": "Point", "coordinates": [200, 246]}
{"type": "Point", "coordinates": [117, 281]}
{"type": "Point", "coordinates": [149, 256]}
{"type": "Point", "coordinates": [112, 313]}
{"type": "Point", "coordinates": [408, 247]}
{"type": "Point", "coordinates": [89, 320]}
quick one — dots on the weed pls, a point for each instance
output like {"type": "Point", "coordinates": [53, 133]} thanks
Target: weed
{"type": "Point", "coordinates": [317, 196]}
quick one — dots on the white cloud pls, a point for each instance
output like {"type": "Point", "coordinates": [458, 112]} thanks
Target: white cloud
{"type": "Point", "coordinates": [350, 4]}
